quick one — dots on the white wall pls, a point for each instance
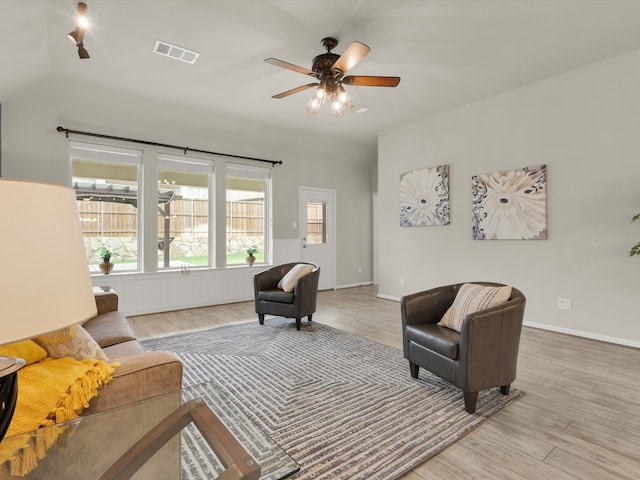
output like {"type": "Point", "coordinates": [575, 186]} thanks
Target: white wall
{"type": "Point", "coordinates": [585, 126]}
{"type": "Point", "coordinates": [32, 149]}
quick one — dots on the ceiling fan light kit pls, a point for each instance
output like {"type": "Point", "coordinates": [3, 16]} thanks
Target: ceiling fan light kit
{"type": "Point", "coordinates": [340, 100]}
{"type": "Point", "coordinates": [330, 69]}
{"type": "Point", "coordinates": [77, 36]}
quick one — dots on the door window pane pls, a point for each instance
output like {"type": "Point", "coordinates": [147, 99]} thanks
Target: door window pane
{"type": "Point", "coordinates": [316, 222]}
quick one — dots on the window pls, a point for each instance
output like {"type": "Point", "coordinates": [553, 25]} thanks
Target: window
{"type": "Point", "coordinates": [247, 215]}
{"type": "Point", "coordinates": [106, 182]}
{"type": "Point", "coordinates": [179, 216]}
{"type": "Point", "coordinates": [183, 211]}
{"type": "Point", "coordinates": [316, 222]}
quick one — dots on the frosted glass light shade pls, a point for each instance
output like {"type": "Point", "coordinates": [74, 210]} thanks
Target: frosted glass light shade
{"type": "Point", "coordinates": [45, 283]}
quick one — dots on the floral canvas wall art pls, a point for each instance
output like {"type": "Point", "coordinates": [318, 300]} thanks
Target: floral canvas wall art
{"type": "Point", "coordinates": [510, 204]}
{"type": "Point", "coordinates": [424, 197]}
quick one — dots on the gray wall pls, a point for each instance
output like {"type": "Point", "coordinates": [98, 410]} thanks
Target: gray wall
{"type": "Point", "coordinates": [584, 126]}
{"type": "Point", "coordinates": [32, 149]}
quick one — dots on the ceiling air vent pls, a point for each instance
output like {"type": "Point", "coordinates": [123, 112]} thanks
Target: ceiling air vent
{"type": "Point", "coordinates": [173, 51]}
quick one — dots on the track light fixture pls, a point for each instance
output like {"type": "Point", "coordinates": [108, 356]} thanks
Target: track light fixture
{"type": "Point", "coordinates": [77, 36]}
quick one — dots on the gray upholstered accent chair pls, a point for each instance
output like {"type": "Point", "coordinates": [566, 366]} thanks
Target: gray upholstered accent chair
{"type": "Point", "coordinates": [301, 302]}
{"type": "Point", "coordinates": [483, 355]}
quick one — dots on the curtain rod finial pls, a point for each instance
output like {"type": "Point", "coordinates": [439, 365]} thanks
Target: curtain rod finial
{"type": "Point", "coordinates": [62, 129]}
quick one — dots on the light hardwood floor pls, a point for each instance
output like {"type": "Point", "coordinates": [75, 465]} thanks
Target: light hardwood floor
{"type": "Point", "coordinates": [579, 419]}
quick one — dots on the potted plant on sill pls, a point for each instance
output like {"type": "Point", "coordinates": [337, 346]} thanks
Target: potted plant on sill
{"type": "Point", "coordinates": [251, 255]}
{"type": "Point", "coordinates": [106, 266]}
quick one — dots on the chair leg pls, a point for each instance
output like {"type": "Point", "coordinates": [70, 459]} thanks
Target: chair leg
{"type": "Point", "coordinates": [504, 389]}
{"type": "Point", "coordinates": [261, 318]}
{"type": "Point", "coordinates": [298, 320]}
{"type": "Point", "coordinates": [309, 317]}
{"type": "Point", "coordinates": [414, 369]}
{"type": "Point", "coordinates": [470, 400]}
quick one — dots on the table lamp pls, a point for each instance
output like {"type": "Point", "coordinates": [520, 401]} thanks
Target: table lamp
{"type": "Point", "coordinates": [45, 283]}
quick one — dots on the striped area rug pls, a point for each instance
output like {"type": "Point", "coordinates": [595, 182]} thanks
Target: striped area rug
{"type": "Point", "coordinates": [343, 407]}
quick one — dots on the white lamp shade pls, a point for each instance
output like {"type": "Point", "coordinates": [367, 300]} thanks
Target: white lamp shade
{"type": "Point", "coordinates": [45, 283]}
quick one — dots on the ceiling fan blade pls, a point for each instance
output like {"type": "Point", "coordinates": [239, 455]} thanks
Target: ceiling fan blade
{"type": "Point", "coordinates": [295, 90]}
{"type": "Point", "coordinates": [290, 66]}
{"type": "Point", "coordinates": [371, 81]}
{"type": "Point", "coordinates": [350, 57]}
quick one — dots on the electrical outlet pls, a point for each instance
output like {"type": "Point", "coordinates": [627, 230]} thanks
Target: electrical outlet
{"type": "Point", "coordinates": [564, 303]}
{"type": "Point", "coordinates": [402, 281]}
{"type": "Point", "coordinates": [360, 270]}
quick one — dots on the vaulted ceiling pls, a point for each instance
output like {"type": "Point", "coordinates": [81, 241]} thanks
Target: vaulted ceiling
{"type": "Point", "coordinates": [448, 53]}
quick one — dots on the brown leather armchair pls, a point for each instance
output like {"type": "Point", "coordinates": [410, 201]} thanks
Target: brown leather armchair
{"type": "Point", "coordinates": [274, 301]}
{"type": "Point", "coordinates": [483, 355]}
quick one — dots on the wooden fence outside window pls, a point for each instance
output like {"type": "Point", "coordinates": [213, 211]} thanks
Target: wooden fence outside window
{"type": "Point", "coordinates": [245, 219]}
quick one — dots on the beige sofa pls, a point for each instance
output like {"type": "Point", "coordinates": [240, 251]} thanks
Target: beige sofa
{"type": "Point", "coordinates": [154, 377]}
{"type": "Point", "coordinates": [141, 374]}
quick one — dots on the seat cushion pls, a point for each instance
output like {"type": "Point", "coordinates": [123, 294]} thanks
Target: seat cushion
{"type": "Point", "coordinates": [276, 296]}
{"type": "Point", "coordinates": [438, 339]}
{"type": "Point", "coordinates": [123, 349]}
{"type": "Point", "coordinates": [473, 298]}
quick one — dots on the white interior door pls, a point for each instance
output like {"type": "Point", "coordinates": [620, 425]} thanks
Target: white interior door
{"type": "Point", "coordinates": [317, 232]}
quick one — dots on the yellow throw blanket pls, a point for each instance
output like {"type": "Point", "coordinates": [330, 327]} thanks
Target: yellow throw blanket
{"type": "Point", "coordinates": [51, 391]}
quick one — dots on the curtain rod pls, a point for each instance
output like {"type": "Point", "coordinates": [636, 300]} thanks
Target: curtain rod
{"type": "Point", "coordinates": [67, 131]}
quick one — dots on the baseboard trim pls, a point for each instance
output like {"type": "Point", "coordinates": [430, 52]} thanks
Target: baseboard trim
{"type": "Point", "coordinates": [388, 297]}
{"type": "Point", "coordinates": [580, 333]}
{"type": "Point", "coordinates": [352, 285]}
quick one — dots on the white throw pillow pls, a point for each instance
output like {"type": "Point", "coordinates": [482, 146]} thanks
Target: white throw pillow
{"type": "Point", "coordinates": [473, 298]}
{"type": "Point", "coordinates": [288, 282]}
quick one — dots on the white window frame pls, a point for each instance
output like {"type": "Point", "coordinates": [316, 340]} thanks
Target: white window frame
{"type": "Point", "coordinates": [194, 164]}
{"type": "Point", "coordinates": [108, 153]}
{"type": "Point", "coordinates": [112, 154]}
{"type": "Point", "coordinates": [264, 173]}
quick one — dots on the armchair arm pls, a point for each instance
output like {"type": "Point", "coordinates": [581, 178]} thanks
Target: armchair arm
{"type": "Point", "coordinates": [306, 291]}
{"type": "Point", "coordinates": [426, 307]}
{"type": "Point", "coordinates": [489, 343]}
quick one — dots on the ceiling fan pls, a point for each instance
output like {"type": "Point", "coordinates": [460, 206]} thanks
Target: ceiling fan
{"type": "Point", "coordinates": [331, 71]}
